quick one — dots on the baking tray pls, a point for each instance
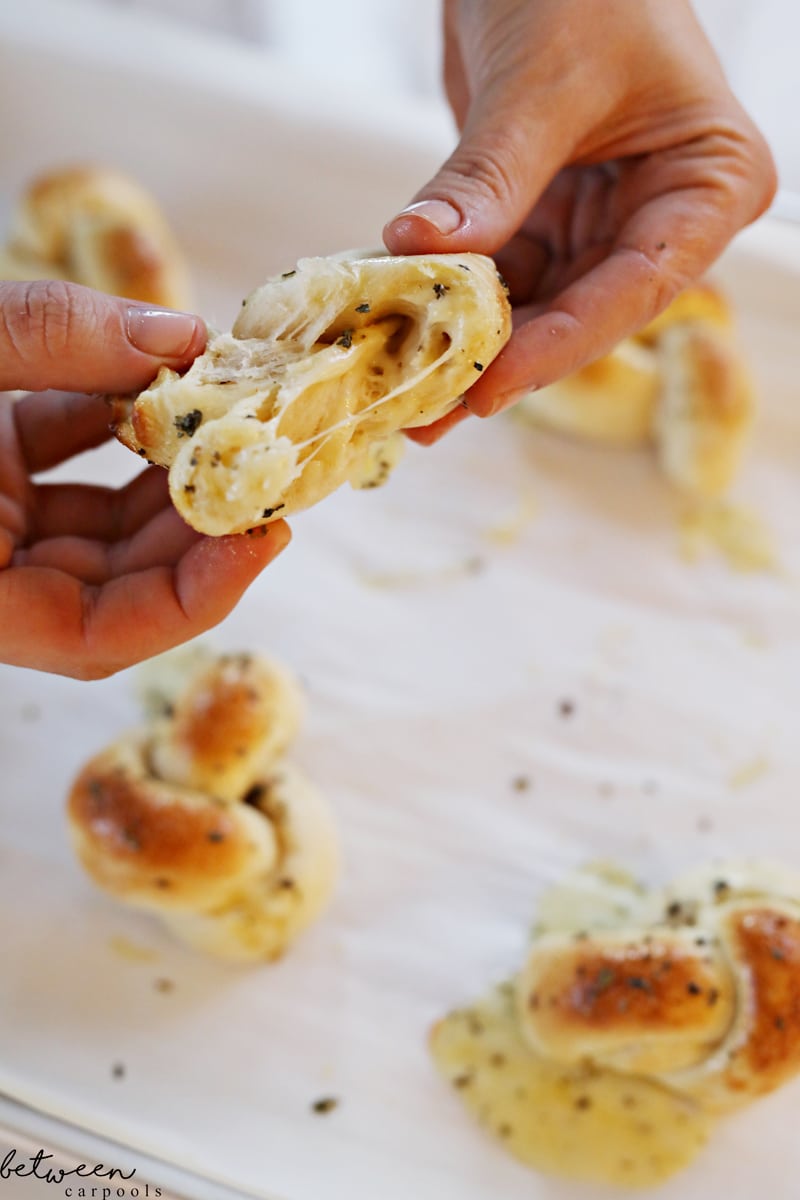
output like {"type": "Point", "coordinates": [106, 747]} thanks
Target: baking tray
{"type": "Point", "coordinates": [439, 626]}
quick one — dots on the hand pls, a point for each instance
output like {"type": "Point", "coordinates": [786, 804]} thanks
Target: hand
{"type": "Point", "coordinates": [603, 161]}
{"type": "Point", "coordinates": [93, 579]}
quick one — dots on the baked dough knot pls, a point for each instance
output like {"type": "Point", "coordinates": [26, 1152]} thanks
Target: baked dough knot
{"type": "Point", "coordinates": [197, 816]}
{"type": "Point", "coordinates": [324, 366]}
{"type": "Point", "coordinates": [705, 1000]}
{"type": "Point", "coordinates": [680, 385]}
{"type": "Point", "coordinates": [98, 227]}
{"type": "Point", "coordinates": [638, 1018]}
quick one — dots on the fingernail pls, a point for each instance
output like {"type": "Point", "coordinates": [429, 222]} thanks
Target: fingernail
{"type": "Point", "coordinates": [443, 216]}
{"type": "Point", "coordinates": [161, 332]}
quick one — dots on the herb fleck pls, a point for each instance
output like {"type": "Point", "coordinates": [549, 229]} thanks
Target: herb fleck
{"type": "Point", "coordinates": [188, 423]}
{"type": "Point", "coordinates": [216, 835]}
{"type": "Point", "coordinates": [362, 307]}
{"type": "Point", "coordinates": [604, 980]}
{"type": "Point", "coordinates": [440, 289]}
{"type": "Point", "coordinates": [268, 512]}
{"type": "Point", "coordinates": [288, 274]}
{"type": "Point", "coordinates": [478, 366]}
{"type": "Point", "coordinates": [345, 339]}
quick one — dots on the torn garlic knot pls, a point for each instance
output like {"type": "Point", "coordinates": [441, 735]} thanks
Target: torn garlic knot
{"type": "Point", "coordinates": [324, 367]}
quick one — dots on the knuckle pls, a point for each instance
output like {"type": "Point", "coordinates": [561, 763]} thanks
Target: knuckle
{"type": "Point", "coordinates": [495, 166]}
{"type": "Point", "coordinates": [44, 319]}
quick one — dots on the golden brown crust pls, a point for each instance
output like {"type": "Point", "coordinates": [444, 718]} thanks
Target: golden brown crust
{"type": "Point", "coordinates": [144, 839]}
{"type": "Point", "coordinates": [198, 818]}
{"type": "Point", "coordinates": [96, 226]}
{"type": "Point", "coordinates": [766, 942]}
{"type": "Point", "coordinates": [659, 984]}
{"type": "Point", "coordinates": [232, 721]}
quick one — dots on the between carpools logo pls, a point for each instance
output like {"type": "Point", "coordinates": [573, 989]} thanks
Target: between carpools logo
{"type": "Point", "coordinates": [80, 1182]}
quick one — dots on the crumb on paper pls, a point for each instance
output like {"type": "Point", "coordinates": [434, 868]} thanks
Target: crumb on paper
{"type": "Point", "coordinates": [130, 951]}
{"type": "Point", "coordinates": [164, 985]}
{"type": "Point", "coordinates": [400, 580]}
{"type": "Point", "coordinates": [566, 709]}
{"type": "Point", "coordinates": [118, 1070]}
{"type": "Point", "coordinates": [508, 531]}
{"type": "Point", "coordinates": [324, 1105]}
{"type": "Point", "coordinates": [739, 535]}
{"type": "Point", "coordinates": [704, 824]}
{"type": "Point", "coordinates": [749, 772]}
{"type": "Point", "coordinates": [521, 783]}
{"type": "Point", "coordinates": [30, 712]}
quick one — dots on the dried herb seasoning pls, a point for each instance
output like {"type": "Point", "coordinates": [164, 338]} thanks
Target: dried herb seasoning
{"type": "Point", "coordinates": [188, 424]}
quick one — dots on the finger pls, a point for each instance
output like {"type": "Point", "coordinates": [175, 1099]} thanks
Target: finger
{"type": "Point", "coordinates": [455, 80]}
{"type": "Point", "coordinates": [103, 513]}
{"type": "Point", "coordinates": [52, 622]}
{"type": "Point", "coordinates": [670, 241]}
{"type": "Point", "coordinates": [161, 542]}
{"type": "Point", "coordinates": [512, 145]}
{"type": "Point", "coordinates": [81, 558]}
{"type": "Point", "coordinates": [523, 262]}
{"type": "Point", "coordinates": [59, 335]}
{"type": "Point", "coordinates": [428, 435]}
{"type": "Point", "coordinates": [53, 426]}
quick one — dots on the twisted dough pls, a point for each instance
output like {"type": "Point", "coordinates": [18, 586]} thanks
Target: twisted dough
{"type": "Point", "coordinates": [324, 366]}
{"type": "Point", "coordinates": [686, 1001]}
{"type": "Point", "coordinates": [197, 818]}
{"type": "Point", "coordinates": [95, 226]}
{"type": "Point", "coordinates": [680, 384]}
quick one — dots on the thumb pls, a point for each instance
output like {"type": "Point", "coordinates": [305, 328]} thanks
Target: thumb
{"type": "Point", "coordinates": [480, 196]}
{"type": "Point", "coordinates": [59, 335]}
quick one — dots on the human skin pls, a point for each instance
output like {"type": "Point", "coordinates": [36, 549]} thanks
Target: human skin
{"type": "Point", "coordinates": [604, 163]}
{"type": "Point", "coordinates": [94, 579]}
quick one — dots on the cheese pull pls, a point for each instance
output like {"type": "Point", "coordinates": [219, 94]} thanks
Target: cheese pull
{"type": "Point", "coordinates": [324, 366]}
